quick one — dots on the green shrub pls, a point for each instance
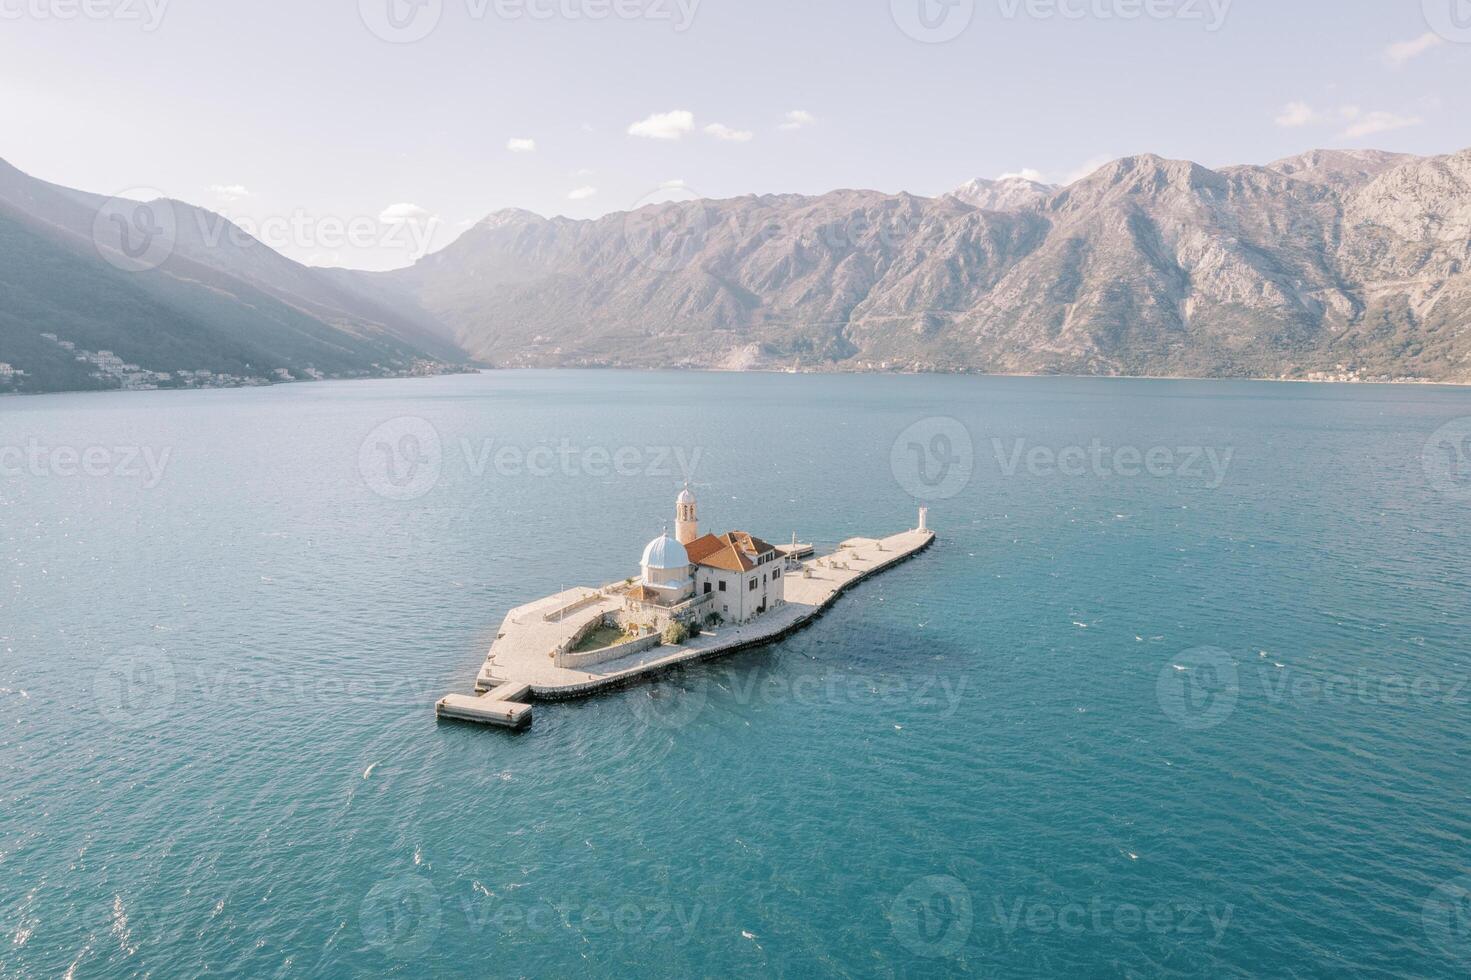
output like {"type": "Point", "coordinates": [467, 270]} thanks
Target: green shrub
{"type": "Point", "coordinates": [675, 633]}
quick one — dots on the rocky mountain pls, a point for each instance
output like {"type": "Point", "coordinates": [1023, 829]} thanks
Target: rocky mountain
{"type": "Point", "coordinates": [101, 294]}
{"type": "Point", "coordinates": [1345, 264]}
{"type": "Point", "coordinates": [1004, 194]}
{"type": "Point", "coordinates": [1336, 263]}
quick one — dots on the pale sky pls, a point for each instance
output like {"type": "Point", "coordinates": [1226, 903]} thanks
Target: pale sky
{"type": "Point", "coordinates": [299, 119]}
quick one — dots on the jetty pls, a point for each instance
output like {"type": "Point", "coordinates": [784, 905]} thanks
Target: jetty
{"type": "Point", "coordinates": [549, 650]}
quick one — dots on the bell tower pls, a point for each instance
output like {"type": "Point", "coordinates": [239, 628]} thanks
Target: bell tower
{"type": "Point", "coordinates": [686, 520]}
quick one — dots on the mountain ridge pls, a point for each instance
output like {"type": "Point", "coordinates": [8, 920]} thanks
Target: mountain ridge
{"type": "Point", "coordinates": [1331, 264]}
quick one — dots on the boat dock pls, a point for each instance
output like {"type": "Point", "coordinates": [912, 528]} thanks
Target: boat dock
{"type": "Point", "coordinates": [522, 663]}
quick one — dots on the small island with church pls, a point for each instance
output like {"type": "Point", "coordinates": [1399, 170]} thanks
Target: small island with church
{"type": "Point", "coordinates": [696, 596]}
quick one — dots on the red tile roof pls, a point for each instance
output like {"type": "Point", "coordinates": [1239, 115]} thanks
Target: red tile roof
{"type": "Point", "coordinates": [731, 552]}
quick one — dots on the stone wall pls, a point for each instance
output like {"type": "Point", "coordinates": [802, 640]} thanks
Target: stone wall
{"type": "Point", "coordinates": [576, 661]}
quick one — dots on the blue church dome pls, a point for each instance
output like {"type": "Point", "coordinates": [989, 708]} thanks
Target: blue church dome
{"type": "Point", "coordinates": [665, 553]}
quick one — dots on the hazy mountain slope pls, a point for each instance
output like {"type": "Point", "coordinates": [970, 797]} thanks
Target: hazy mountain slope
{"type": "Point", "coordinates": [1340, 168]}
{"type": "Point", "coordinates": [228, 306]}
{"type": "Point", "coordinates": [1004, 194]}
{"type": "Point", "coordinates": [1147, 266]}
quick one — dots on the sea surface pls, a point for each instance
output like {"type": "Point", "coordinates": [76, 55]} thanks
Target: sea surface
{"type": "Point", "coordinates": [1180, 691]}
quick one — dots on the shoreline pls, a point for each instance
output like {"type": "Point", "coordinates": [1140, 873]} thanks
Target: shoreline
{"type": "Point", "coordinates": [1416, 383]}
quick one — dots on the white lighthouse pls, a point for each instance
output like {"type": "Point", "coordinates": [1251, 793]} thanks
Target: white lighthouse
{"type": "Point", "coordinates": [686, 520]}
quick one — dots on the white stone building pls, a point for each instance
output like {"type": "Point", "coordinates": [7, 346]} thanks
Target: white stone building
{"type": "Point", "coordinates": [735, 576]}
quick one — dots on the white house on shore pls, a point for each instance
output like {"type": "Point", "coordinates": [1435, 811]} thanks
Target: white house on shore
{"type": "Point", "coordinates": [692, 577]}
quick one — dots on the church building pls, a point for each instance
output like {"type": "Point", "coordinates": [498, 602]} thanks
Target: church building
{"type": "Point", "coordinates": [690, 576]}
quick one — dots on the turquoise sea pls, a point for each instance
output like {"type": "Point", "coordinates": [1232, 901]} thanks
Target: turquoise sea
{"type": "Point", "coordinates": [1181, 690]}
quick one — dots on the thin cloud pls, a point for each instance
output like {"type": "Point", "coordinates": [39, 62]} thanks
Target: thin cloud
{"type": "Point", "coordinates": [582, 194]}
{"type": "Point", "coordinates": [664, 125]}
{"type": "Point", "coordinates": [1295, 115]}
{"type": "Point", "coordinates": [399, 213]}
{"type": "Point", "coordinates": [1026, 173]}
{"type": "Point", "coordinates": [798, 119]}
{"type": "Point", "coordinates": [517, 145]}
{"type": "Point", "coordinates": [1397, 54]}
{"type": "Point", "coordinates": [1372, 123]}
{"type": "Point", "coordinates": [723, 132]}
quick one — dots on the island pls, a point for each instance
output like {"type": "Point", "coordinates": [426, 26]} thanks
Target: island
{"type": "Point", "coordinates": [696, 597]}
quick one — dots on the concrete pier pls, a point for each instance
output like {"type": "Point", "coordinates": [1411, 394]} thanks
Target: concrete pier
{"type": "Point", "coordinates": [523, 659]}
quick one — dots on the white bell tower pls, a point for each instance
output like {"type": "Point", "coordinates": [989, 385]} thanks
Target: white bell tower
{"type": "Point", "coordinates": [686, 519]}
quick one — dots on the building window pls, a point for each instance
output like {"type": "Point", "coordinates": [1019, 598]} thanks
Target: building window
{"type": "Point", "coordinates": [752, 587]}
{"type": "Point", "coordinates": [776, 573]}
{"type": "Point", "coordinates": [722, 585]}
{"type": "Point", "coordinates": [707, 588]}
